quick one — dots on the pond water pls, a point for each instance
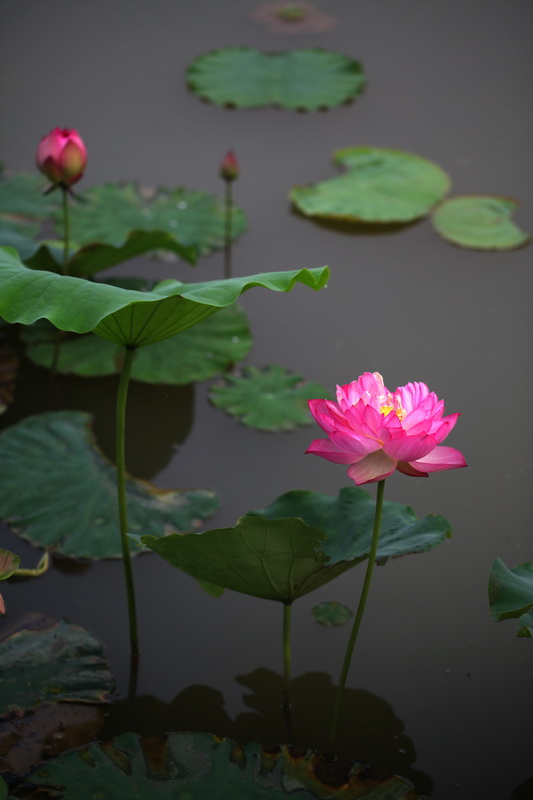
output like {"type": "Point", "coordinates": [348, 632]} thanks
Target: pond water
{"type": "Point", "coordinates": [437, 692]}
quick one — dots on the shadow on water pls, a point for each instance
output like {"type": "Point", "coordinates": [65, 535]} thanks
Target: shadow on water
{"type": "Point", "coordinates": [151, 445]}
{"type": "Point", "coordinates": [370, 732]}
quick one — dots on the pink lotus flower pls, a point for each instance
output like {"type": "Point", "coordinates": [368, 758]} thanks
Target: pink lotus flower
{"type": "Point", "coordinates": [376, 431]}
{"type": "Point", "coordinates": [62, 156]}
{"type": "Point", "coordinates": [229, 167]}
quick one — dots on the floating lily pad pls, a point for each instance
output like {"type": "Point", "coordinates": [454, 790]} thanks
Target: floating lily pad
{"type": "Point", "coordinates": [198, 765]}
{"type": "Point", "coordinates": [127, 317]}
{"type": "Point", "coordinates": [269, 399]}
{"type": "Point", "coordinates": [481, 222]}
{"type": "Point", "coordinates": [58, 491]}
{"type": "Point", "coordinates": [111, 211]}
{"type": "Point", "coordinates": [196, 354]}
{"type": "Point", "coordinates": [57, 663]}
{"type": "Point", "coordinates": [331, 613]}
{"type": "Point", "coordinates": [348, 520]}
{"type": "Point", "coordinates": [381, 186]}
{"type": "Point", "coordinates": [511, 595]}
{"type": "Point", "coordinates": [286, 18]}
{"type": "Point", "coordinates": [297, 79]}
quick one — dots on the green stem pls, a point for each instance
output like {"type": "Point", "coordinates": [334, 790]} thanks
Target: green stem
{"type": "Point", "coordinates": [66, 230]}
{"type": "Point", "coordinates": [227, 229]}
{"type": "Point", "coordinates": [358, 616]}
{"type": "Point", "coordinates": [121, 497]}
{"type": "Point", "coordinates": [287, 607]}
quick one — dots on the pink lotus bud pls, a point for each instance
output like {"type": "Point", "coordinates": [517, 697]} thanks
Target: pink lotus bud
{"type": "Point", "coordinates": [229, 167]}
{"type": "Point", "coordinates": [62, 156]}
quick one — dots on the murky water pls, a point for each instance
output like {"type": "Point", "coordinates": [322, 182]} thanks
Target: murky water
{"type": "Point", "coordinates": [437, 691]}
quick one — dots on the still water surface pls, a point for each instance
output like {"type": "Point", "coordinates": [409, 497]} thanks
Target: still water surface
{"type": "Point", "coordinates": [437, 691]}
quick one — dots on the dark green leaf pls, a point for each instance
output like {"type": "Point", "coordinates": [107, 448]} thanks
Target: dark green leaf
{"type": "Point", "coordinates": [295, 79]}
{"type": "Point", "coordinates": [482, 222]}
{"type": "Point", "coordinates": [273, 559]}
{"type": "Point", "coordinates": [57, 663]}
{"type": "Point", "coordinates": [381, 186]}
{"type": "Point", "coordinates": [127, 317]}
{"type": "Point", "coordinates": [269, 399]}
{"type": "Point", "coordinates": [331, 613]}
{"type": "Point", "coordinates": [9, 364]}
{"type": "Point", "coordinates": [199, 766]}
{"type": "Point", "coordinates": [59, 491]}
{"type": "Point", "coordinates": [348, 521]}
{"type": "Point", "coordinates": [196, 354]}
{"type": "Point", "coordinates": [511, 594]}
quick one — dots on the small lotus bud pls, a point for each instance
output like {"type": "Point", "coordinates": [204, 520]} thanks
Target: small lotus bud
{"type": "Point", "coordinates": [229, 167]}
{"type": "Point", "coordinates": [62, 156]}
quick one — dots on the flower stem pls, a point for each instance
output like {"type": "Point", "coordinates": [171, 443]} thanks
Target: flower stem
{"type": "Point", "coordinates": [121, 497]}
{"type": "Point", "coordinates": [287, 607]}
{"type": "Point", "coordinates": [358, 616]}
{"type": "Point", "coordinates": [227, 228]}
{"type": "Point", "coordinates": [66, 230]}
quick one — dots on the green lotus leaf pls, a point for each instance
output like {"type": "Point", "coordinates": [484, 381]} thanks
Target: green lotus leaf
{"type": "Point", "coordinates": [58, 491]}
{"type": "Point", "coordinates": [196, 354]}
{"type": "Point", "coordinates": [9, 563]}
{"type": "Point", "coordinates": [511, 594]}
{"type": "Point", "coordinates": [96, 257]}
{"type": "Point", "coordinates": [296, 79]}
{"type": "Point", "coordinates": [19, 235]}
{"type": "Point", "coordinates": [127, 317]}
{"type": "Point", "coordinates": [21, 196]}
{"type": "Point", "coordinates": [381, 186]}
{"type": "Point", "coordinates": [273, 559]}
{"type": "Point", "coordinates": [57, 663]}
{"type": "Point", "coordinates": [111, 211]}
{"type": "Point", "coordinates": [482, 222]}
{"type": "Point", "coordinates": [187, 766]}
{"type": "Point", "coordinates": [331, 613]}
{"type": "Point", "coordinates": [269, 399]}
{"type": "Point", "coordinates": [348, 522]}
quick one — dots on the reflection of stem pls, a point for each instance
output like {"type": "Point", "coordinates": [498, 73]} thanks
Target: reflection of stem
{"type": "Point", "coordinates": [227, 229]}
{"type": "Point", "coordinates": [286, 658]}
{"type": "Point", "coordinates": [121, 497]}
{"type": "Point", "coordinates": [358, 616]}
{"type": "Point", "coordinates": [66, 244]}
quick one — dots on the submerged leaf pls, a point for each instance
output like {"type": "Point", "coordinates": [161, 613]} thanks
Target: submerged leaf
{"type": "Point", "coordinates": [268, 399]}
{"type": "Point", "coordinates": [59, 662]}
{"type": "Point", "coordinates": [196, 354]}
{"type": "Point", "coordinates": [199, 765]}
{"type": "Point", "coordinates": [511, 594]}
{"type": "Point", "coordinates": [307, 79]}
{"type": "Point", "coordinates": [381, 186]}
{"type": "Point", "coordinates": [348, 521]}
{"type": "Point", "coordinates": [482, 222]}
{"type": "Point", "coordinates": [331, 613]}
{"type": "Point", "coordinates": [127, 317]}
{"type": "Point", "coordinates": [59, 491]}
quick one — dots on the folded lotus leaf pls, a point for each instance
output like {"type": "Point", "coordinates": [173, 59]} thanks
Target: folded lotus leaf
{"type": "Point", "coordinates": [511, 594]}
{"type": "Point", "coordinates": [127, 317]}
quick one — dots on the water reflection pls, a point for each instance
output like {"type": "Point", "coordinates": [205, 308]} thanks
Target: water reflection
{"type": "Point", "coordinates": [370, 732]}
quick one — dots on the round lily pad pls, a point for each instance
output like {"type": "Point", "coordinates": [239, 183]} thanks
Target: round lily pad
{"type": "Point", "coordinates": [381, 186]}
{"type": "Point", "coordinates": [196, 354]}
{"type": "Point", "coordinates": [52, 662]}
{"type": "Point", "coordinates": [511, 594]}
{"type": "Point", "coordinates": [58, 490]}
{"type": "Point", "coordinates": [111, 211]}
{"type": "Point", "coordinates": [268, 399]}
{"type": "Point", "coordinates": [306, 79]}
{"type": "Point", "coordinates": [481, 222]}
{"type": "Point", "coordinates": [190, 766]}
{"type": "Point", "coordinates": [331, 613]}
